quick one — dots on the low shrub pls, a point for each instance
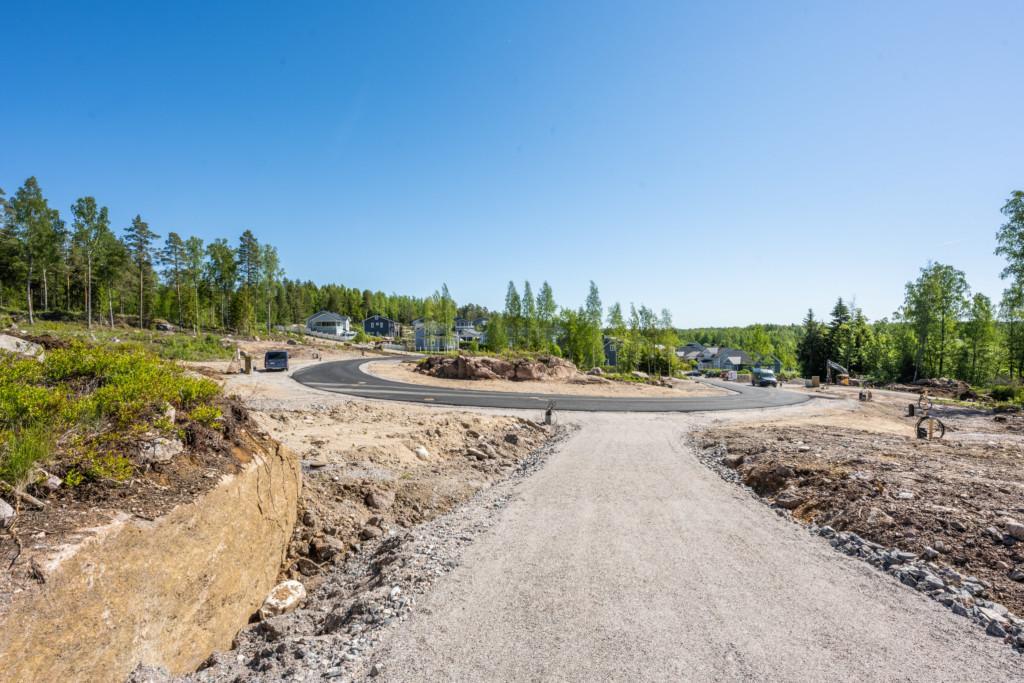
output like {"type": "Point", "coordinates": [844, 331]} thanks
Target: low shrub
{"type": "Point", "coordinates": [1005, 392]}
{"type": "Point", "coordinates": [102, 397]}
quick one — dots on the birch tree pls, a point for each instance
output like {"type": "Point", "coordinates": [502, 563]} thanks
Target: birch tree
{"type": "Point", "coordinates": [91, 226]}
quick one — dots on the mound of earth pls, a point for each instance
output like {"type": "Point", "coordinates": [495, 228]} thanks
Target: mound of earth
{"type": "Point", "coordinates": [542, 368]}
{"type": "Point", "coordinates": [942, 387]}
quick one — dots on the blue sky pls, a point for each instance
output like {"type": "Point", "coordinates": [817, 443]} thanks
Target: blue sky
{"type": "Point", "coordinates": [734, 162]}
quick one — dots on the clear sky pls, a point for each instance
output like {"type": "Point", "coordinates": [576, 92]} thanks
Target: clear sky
{"type": "Point", "coordinates": [734, 162]}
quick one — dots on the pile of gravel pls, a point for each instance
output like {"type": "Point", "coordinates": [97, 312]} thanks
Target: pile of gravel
{"type": "Point", "coordinates": [334, 634]}
{"type": "Point", "coordinates": [964, 595]}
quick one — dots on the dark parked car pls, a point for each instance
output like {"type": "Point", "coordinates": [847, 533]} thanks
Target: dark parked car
{"type": "Point", "coordinates": [275, 360]}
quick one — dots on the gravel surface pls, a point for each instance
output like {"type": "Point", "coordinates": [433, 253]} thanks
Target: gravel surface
{"type": "Point", "coordinates": [332, 635]}
{"type": "Point", "coordinates": [626, 559]}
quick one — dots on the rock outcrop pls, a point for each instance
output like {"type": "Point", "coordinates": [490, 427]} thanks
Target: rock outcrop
{"type": "Point", "coordinates": [542, 368]}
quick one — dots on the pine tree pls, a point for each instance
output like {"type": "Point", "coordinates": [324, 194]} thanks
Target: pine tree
{"type": "Point", "coordinates": [138, 238]}
{"type": "Point", "coordinates": [172, 256]}
{"type": "Point", "coordinates": [33, 224]}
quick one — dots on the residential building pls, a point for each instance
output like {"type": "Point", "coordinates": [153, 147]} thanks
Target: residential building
{"type": "Point", "coordinates": [328, 323]}
{"type": "Point", "coordinates": [379, 326]}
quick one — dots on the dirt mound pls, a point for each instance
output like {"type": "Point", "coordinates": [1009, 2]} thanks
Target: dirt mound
{"type": "Point", "coordinates": [942, 387]}
{"type": "Point", "coordinates": [951, 501]}
{"type": "Point", "coordinates": [542, 368]}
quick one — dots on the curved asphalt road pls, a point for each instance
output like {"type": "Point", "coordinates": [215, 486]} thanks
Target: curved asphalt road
{"type": "Point", "coordinates": [347, 377]}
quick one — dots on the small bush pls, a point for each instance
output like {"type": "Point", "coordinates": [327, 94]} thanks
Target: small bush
{"type": "Point", "coordinates": [23, 449]}
{"type": "Point", "coordinates": [1005, 392]}
{"type": "Point", "coordinates": [205, 415]}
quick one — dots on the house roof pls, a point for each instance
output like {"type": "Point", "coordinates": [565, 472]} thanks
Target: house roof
{"type": "Point", "coordinates": [378, 316]}
{"type": "Point", "coordinates": [327, 315]}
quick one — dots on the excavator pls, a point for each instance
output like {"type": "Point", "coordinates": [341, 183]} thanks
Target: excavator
{"type": "Point", "coordinates": [841, 376]}
{"type": "Point", "coordinates": [837, 374]}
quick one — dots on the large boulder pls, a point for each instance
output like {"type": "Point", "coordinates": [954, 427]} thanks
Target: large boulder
{"type": "Point", "coordinates": [20, 347]}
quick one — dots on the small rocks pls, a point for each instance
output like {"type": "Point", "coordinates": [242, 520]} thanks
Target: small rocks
{"type": "Point", "coordinates": [422, 453]}
{"type": "Point", "coordinates": [326, 548]}
{"type": "Point", "coordinates": [995, 629]}
{"type": "Point", "coordinates": [877, 517]}
{"type": "Point", "coordinates": [370, 532]}
{"type": "Point", "coordinates": [1015, 529]}
{"type": "Point", "coordinates": [379, 500]}
{"type": "Point", "coordinates": [790, 499]}
{"type": "Point", "coordinates": [283, 598]}
{"type": "Point", "coordinates": [476, 453]}
{"type": "Point", "coordinates": [733, 460]}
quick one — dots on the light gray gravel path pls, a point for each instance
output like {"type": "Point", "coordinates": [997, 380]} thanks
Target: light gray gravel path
{"type": "Point", "coordinates": [626, 559]}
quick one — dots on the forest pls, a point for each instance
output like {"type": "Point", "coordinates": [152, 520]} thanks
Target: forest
{"type": "Point", "coordinates": [76, 266]}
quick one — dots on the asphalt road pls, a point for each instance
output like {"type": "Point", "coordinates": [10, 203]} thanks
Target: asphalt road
{"type": "Point", "coordinates": [626, 559]}
{"type": "Point", "coordinates": [347, 377]}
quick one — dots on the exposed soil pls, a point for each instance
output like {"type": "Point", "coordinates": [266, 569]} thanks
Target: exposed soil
{"type": "Point", "coordinates": [858, 467]}
{"type": "Point", "coordinates": [372, 467]}
{"type": "Point", "coordinates": [36, 541]}
{"type": "Point", "coordinates": [579, 385]}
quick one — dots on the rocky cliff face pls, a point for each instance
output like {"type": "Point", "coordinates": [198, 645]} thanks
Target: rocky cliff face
{"type": "Point", "coordinates": [165, 592]}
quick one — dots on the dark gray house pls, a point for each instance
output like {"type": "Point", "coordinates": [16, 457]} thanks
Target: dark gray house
{"type": "Point", "coordinates": [611, 350]}
{"type": "Point", "coordinates": [379, 326]}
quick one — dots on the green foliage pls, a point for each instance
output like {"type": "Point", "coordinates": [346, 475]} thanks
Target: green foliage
{"type": "Point", "coordinates": [206, 415]}
{"type": "Point", "coordinates": [22, 448]}
{"type": "Point", "coordinates": [1005, 392]}
{"type": "Point", "coordinates": [190, 348]}
{"type": "Point", "coordinates": [98, 396]}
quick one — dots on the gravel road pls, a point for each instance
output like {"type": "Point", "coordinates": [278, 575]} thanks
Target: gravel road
{"type": "Point", "coordinates": [624, 558]}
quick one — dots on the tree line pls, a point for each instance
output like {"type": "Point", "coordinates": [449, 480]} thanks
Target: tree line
{"type": "Point", "coordinates": [942, 329]}
{"type": "Point", "coordinates": [86, 268]}
{"type": "Point", "coordinates": [587, 335]}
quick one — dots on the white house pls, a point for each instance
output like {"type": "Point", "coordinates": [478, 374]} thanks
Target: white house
{"type": "Point", "coordinates": [328, 323]}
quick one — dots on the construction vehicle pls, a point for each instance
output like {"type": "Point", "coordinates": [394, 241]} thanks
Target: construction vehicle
{"type": "Point", "coordinates": [841, 375]}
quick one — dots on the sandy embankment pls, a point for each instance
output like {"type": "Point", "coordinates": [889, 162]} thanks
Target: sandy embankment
{"type": "Point", "coordinates": [404, 372]}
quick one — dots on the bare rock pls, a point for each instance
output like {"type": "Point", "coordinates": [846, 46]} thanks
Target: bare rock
{"type": "Point", "coordinates": [160, 450]}
{"type": "Point", "coordinates": [878, 517]}
{"type": "Point", "coordinates": [422, 453]}
{"type": "Point", "coordinates": [6, 513]}
{"type": "Point", "coordinates": [283, 598]}
{"type": "Point", "coordinates": [1015, 529]}
{"type": "Point", "coordinates": [790, 499]}
{"type": "Point", "coordinates": [20, 347]}
{"type": "Point", "coordinates": [733, 460]}
{"type": "Point", "coordinates": [370, 532]}
{"type": "Point", "coordinates": [379, 500]}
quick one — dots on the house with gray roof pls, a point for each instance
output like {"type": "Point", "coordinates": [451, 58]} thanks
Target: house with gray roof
{"type": "Point", "coordinates": [331, 324]}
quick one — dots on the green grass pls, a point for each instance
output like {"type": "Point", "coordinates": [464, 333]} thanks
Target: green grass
{"type": "Point", "coordinates": [86, 404]}
{"type": "Point", "coordinates": [171, 345]}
